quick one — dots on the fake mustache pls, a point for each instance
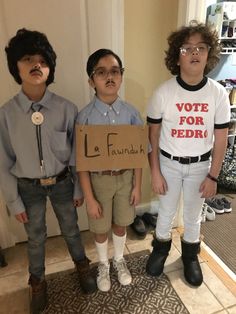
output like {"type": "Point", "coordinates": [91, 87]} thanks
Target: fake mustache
{"type": "Point", "coordinates": [110, 82]}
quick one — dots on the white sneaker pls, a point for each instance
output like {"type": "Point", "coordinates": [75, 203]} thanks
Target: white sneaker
{"type": "Point", "coordinates": [210, 213]}
{"type": "Point", "coordinates": [124, 275]}
{"type": "Point", "coordinates": [203, 215]}
{"type": "Point", "coordinates": [103, 277]}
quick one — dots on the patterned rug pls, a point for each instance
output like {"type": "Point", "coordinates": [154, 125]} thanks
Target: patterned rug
{"type": "Point", "coordinates": [145, 295]}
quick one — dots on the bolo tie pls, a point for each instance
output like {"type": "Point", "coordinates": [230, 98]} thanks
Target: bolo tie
{"type": "Point", "coordinates": [37, 119]}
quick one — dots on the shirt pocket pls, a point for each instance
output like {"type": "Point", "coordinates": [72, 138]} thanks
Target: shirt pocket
{"type": "Point", "coordinates": [59, 141]}
{"type": "Point", "coordinates": [60, 145]}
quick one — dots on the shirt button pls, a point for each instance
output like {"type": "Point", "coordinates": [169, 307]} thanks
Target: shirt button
{"type": "Point", "coordinates": [118, 112]}
{"type": "Point", "coordinates": [113, 121]}
{"type": "Point", "coordinates": [105, 113]}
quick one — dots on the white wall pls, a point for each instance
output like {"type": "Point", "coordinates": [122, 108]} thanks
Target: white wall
{"type": "Point", "coordinates": [75, 29]}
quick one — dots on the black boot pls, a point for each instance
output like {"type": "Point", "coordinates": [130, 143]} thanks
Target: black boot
{"type": "Point", "coordinates": [192, 269]}
{"type": "Point", "coordinates": [157, 258]}
{"type": "Point", "coordinates": [38, 295]}
{"type": "Point", "coordinates": [86, 280]}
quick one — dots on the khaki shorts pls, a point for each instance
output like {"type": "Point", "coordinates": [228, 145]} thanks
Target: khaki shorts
{"type": "Point", "coordinates": [113, 194]}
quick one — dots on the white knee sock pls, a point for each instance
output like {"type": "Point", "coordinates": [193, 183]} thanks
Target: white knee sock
{"type": "Point", "coordinates": [102, 250]}
{"type": "Point", "coordinates": [119, 245]}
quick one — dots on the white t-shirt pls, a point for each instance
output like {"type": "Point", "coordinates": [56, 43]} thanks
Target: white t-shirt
{"type": "Point", "coordinates": [188, 116]}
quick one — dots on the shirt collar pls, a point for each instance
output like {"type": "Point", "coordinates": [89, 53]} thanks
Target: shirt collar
{"type": "Point", "coordinates": [192, 88]}
{"type": "Point", "coordinates": [25, 103]}
{"type": "Point", "coordinates": [104, 108]}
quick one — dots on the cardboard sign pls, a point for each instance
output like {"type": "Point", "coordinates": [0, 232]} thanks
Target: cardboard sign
{"type": "Point", "coordinates": [110, 147]}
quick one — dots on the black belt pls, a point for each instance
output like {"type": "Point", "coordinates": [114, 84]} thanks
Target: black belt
{"type": "Point", "coordinates": [187, 160]}
{"type": "Point", "coordinates": [50, 180]}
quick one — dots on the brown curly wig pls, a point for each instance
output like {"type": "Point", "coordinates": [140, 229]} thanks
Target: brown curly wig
{"type": "Point", "coordinates": [179, 37]}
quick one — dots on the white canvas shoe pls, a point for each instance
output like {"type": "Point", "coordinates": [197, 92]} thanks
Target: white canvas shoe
{"type": "Point", "coordinates": [124, 275]}
{"type": "Point", "coordinates": [203, 213]}
{"type": "Point", "coordinates": [210, 213]}
{"type": "Point", "coordinates": [103, 277]}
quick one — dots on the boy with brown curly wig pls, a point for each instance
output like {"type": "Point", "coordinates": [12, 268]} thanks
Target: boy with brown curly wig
{"type": "Point", "coordinates": [188, 117]}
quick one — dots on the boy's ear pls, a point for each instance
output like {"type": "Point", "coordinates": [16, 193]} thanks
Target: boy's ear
{"type": "Point", "coordinates": [91, 83]}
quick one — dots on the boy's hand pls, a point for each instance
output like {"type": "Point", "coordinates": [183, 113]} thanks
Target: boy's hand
{"type": "Point", "coordinates": [208, 188]}
{"type": "Point", "coordinates": [94, 209]}
{"type": "Point", "coordinates": [135, 196]}
{"type": "Point", "coordinates": [22, 217]}
{"type": "Point", "coordinates": [78, 202]}
{"type": "Point", "coordinates": [159, 184]}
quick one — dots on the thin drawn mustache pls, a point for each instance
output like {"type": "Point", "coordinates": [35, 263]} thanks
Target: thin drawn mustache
{"type": "Point", "coordinates": [110, 82]}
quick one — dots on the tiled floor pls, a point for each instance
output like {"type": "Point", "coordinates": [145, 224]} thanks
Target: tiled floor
{"type": "Point", "coordinates": [213, 296]}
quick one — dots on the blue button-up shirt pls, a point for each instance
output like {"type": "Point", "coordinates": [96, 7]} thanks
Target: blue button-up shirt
{"type": "Point", "coordinates": [120, 112]}
{"type": "Point", "coordinates": [19, 156]}
{"type": "Point", "coordinates": [99, 113]}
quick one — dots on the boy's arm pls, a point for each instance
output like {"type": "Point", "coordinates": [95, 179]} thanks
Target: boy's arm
{"type": "Point", "coordinates": [136, 191]}
{"type": "Point", "coordinates": [218, 152]}
{"type": "Point", "coordinates": [8, 182]}
{"type": "Point", "coordinates": [159, 185]}
{"type": "Point", "coordinates": [93, 207]}
{"type": "Point", "coordinates": [78, 194]}
{"type": "Point", "coordinates": [209, 186]}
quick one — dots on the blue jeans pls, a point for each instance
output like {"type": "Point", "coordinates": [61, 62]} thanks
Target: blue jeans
{"type": "Point", "coordinates": [185, 178]}
{"type": "Point", "coordinates": [61, 196]}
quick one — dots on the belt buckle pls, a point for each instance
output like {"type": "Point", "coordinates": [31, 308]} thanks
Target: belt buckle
{"type": "Point", "coordinates": [47, 181]}
{"type": "Point", "coordinates": [112, 173]}
{"type": "Point", "coordinates": [184, 160]}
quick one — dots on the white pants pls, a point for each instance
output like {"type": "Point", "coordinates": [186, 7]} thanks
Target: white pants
{"type": "Point", "coordinates": [186, 178]}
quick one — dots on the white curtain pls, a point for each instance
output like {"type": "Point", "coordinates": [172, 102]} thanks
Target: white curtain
{"type": "Point", "coordinates": [75, 28]}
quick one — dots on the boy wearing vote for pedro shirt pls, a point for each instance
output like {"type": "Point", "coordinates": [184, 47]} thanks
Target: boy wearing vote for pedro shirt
{"type": "Point", "coordinates": [188, 118]}
{"type": "Point", "coordinates": [111, 196]}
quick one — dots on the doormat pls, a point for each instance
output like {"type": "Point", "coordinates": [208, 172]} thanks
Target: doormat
{"type": "Point", "coordinates": [145, 295]}
{"type": "Point", "coordinates": [220, 236]}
